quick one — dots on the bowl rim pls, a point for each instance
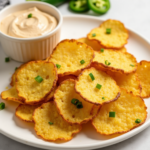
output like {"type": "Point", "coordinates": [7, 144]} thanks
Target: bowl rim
{"type": "Point", "coordinates": [39, 37]}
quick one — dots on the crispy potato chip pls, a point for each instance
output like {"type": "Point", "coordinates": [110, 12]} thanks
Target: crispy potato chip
{"type": "Point", "coordinates": [12, 95]}
{"type": "Point", "coordinates": [51, 95]}
{"type": "Point", "coordinates": [96, 45]}
{"type": "Point", "coordinates": [124, 111]}
{"type": "Point", "coordinates": [123, 49]}
{"type": "Point", "coordinates": [13, 78]}
{"type": "Point", "coordinates": [47, 59]}
{"type": "Point", "coordinates": [63, 98]}
{"type": "Point", "coordinates": [116, 38]}
{"type": "Point", "coordinates": [130, 82]}
{"type": "Point", "coordinates": [143, 71]}
{"type": "Point", "coordinates": [68, 55]}
{"type": "Point", "coordinates": [31, 89]}
{"type": "Point", "coordinates": [115, 61]}
{"type": "Point", "coordinates": [50, 126]}
{"type": "Point", "coordinates": [63, 78]}
{"type": "Point", "coordinates": [97, 87]}
{"type": "Point", "coordinates": [25, 112]}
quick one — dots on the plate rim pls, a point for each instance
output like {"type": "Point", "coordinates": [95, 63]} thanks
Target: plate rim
{"type": "Point", "coordinates": [94, 145]}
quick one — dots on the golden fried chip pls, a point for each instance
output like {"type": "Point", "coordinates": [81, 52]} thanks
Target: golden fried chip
{"type": "Point", "coordinates": [63, 78]}
{"type": "Point", "coordinates": [123, 49]}
{"type": "Point", "coordinates": [11, 95]}
{"type": "Point", "coordinates": [97, 87]}
{"type": "Point", "coordinates": [115, 61]}
{"type": "Point", "coordinates": [13, 78]}
{"type": "Point", "coordinates": [110, 34]}
{"type": "Point", "coordinates": [143, 71]}
{"type": "Point", "coordinates": [50, 126]}
{"type": "Point", "coordinates": [130, 82]}
{"type": "Point", "coordinates": [94, 44]}
{"type": "Point", "coordinates": [51, 95]}
{"type": "Point", "coordinates": [64, 96]}
{"type": "Point", "coordinates": [121, 115]}
{"type": "Point", "coordinates": [25, 112]}
{"type": "Point", "coordinates": [71, 57]}
{"type": "Point", "coordinates": [47, 59]}
{"type": "Point", "coordinates": [33, 78]}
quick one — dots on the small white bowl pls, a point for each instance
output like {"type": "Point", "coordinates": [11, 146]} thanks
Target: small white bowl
{"type": "Point", "coordinates": [37, 48]}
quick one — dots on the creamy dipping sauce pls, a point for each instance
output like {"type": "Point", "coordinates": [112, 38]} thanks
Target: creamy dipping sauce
{"type": "Point", "coordinates": [28, 23]}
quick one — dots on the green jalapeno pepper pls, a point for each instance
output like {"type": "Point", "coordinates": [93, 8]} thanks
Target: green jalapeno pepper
{"type": "Point", "coordinates": [78, 5]}
{"type": "Point", "coordinates": [99, 6]}
{"type": "Point", "coordinates": [53, 2]}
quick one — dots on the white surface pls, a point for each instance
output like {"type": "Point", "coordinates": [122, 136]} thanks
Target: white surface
{"type": "Point", "coordinates": [134, 14]}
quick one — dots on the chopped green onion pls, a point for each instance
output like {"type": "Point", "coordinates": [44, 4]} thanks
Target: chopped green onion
{"type": "Point", "coordinates": [79, 105]}
{"type": "Point", "coordinates": [138, 121]}
{"type": "Point", "coordinates": [38, 79]}
{"type": "Point", "coordinates": [2, 105]}
{"type": "Point", "coordinates": [131, 65]}
{"type": "Point", "coordinates": [102, 50]}
{"type": "Point", "coordinates": [82, 61]}
{"type": "Point", "coordinates": [74, 101]}
{"type": "Point", "coordinates": [50, 123]}
{"type": "Point", "coordinates": [30, 16]}
{"type": "Point", "coordinates": [103, 98]}
{"type": "Point", "coordinates": [108, 31]}
{"type": "Point", "coordinates": [112, 114]}
{"type": "Point", "coordinates": [7, 59]}
{"type": "Point", "coordinates": [16, 68]}
{"type": "Point", "coordinates": [92, 77]}
{"type": "Point", "coordinates": [58, 66]}
{"type": "Point", "coordinates": [107, 62]}
{"type": "Point", "coordinates": [94, 34]}
{"type": "Point", "coordinates": [98, 86]}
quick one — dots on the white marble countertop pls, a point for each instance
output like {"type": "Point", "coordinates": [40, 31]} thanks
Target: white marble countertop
{"type": "Point", "coordinates": [135, 14]}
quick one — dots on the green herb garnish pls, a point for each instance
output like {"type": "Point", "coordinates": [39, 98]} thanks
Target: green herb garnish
{"type": "Point", "coordinates": [103, 98]}
{"type": "Point", "coordinates": [7, 59]}
{"type": "Point", "coordinates": [131, 65]}
{"type": "Point", "coordinates": [58, 66]}
{"type": "Point", "coordinates": [16, 68]}
{"type": "Point", "coordinates": [79, 105]}
{"type": "Point", "coordinates": [94, 34]}
{"type": "Point", "coordinates": [107, 62]}
{"type": "Point", "coordinates": [82, 61]}
{"type": "Point", "coordinates": [98, 86]}
{"type": "Point", "coordinates": [51, 123]}
{"type": "Point", "coordinates": [108, 31]}
{"type": "Point", "coordinates": [102, 50]}
{"type": "Point", "coordinates": [38, 79]}
{"type": "Point", "coordinates": [2, 105]}
{"type": "Point", "coordinates": [30, 16]}
{"type": "Point", "coordinates": [92, 77]}
{"type": "Point", "coordinates": [112, 114]}
{"type": "Point", "coordinates": [74, 101]}
{"type": "Point", "coordinates": [138, 121]}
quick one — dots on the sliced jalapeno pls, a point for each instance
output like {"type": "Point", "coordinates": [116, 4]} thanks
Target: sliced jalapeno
{"type": "Point", "coordinates": [53, 2]}
{"type": "Point", "coordinates": [99, 6]}
{"type": "Point", "coordinates": [78, 5]}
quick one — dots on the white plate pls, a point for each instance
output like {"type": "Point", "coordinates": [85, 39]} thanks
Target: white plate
{"type": "Point", "coordinates": [12, 127]}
